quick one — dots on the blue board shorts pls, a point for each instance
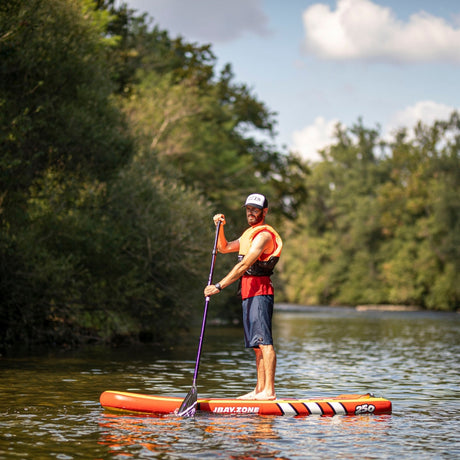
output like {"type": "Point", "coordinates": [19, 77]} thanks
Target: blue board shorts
{"type": "Point", "coordinates": [257, 320]}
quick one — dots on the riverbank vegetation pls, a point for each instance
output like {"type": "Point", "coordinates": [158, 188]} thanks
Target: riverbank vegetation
{"type": "Point", "coordinates": [117, 145]}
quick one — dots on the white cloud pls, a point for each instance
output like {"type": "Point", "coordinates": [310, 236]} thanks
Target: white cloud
{"type": "Point", "coordinates": [361, 29]}
{"type": "Point", "coordinates": [425, 111]}
{"type": "Point", "coordinates": [206, 20]}
{"type": "Point", "coordinates": [312, 138]}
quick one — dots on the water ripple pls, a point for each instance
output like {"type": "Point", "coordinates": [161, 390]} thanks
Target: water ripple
{"type": "Point", "coordinates": [50, 409]}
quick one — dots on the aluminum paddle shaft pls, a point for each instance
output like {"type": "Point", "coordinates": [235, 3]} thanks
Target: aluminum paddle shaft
{"type": "Point", "coordinates": [188, 406]}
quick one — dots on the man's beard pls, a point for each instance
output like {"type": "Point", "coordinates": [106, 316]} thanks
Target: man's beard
{"type": "Point", "coordinates": [257, 219]}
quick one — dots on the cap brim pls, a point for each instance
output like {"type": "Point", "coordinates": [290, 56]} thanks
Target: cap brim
{"type": "Point", "coordinates": [253, 205]}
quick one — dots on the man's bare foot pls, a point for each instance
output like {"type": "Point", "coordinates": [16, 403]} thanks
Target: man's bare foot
{"type": "Point", "coordinates": [250, 395]}
{"type": "Point", "coordinates": [264, 396]}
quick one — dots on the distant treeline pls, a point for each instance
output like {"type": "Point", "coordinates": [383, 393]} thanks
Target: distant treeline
{"type": "Point", "coordinates": [118, 143]}
{"type": "Point", "coordinates": [381, 224]}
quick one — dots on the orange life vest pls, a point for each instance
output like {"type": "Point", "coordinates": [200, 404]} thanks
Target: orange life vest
{"type": "Point", "coordinates": [266, 262]}
{"type": "Point", "coordinates": [256, 280]}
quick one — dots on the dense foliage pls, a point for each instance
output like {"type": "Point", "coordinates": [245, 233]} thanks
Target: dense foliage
{"type": "Point", "coordinates": [118, 143]}
{"type": "Point", "coordinates": [382, 222]}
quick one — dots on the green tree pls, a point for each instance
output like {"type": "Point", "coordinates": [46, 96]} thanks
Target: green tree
{"type": "Point", "coordinates": [341, 222]}
{"type": "Point", "coordinates": [211, 139]}
{"type": "Point", "coordinates": [61, 137]}
{"type": "Point", "coordinates": [422, 213]}
{"type": "Point", "coordinates": [381, 221]}
{"type": "Point", "coordinates": [54, 92]}
{"type": "Point", "coordinates": [117, 145]}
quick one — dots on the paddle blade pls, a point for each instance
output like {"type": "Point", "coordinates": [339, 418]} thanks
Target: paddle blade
{"type": "Point", "coordinates": [188, 406]}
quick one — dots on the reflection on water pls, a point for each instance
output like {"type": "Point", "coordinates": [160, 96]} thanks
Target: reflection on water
{"type": "Point", "coordinates": [240, 437]}
{"type": "Point", "coordinates": [160, 434]}
{"type": "Point", "coordinates": [49, 403]}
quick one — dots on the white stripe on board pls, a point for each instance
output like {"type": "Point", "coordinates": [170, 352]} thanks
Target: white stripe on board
{"type": "Point", "coordinates": [338, 408]}
{"type": "Point", "coordinates": [287, 409]}
{"type": "Point", "coordinates": [314, 408]}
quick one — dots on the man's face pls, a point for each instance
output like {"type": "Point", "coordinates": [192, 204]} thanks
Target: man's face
{"type": "Point", "coordinates": [254, 215]}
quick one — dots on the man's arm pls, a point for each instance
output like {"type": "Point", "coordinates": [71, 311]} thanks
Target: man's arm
{"type": "Point", "coordinates": [258, 245]}
{"type": "Point", "coordinates": [224, 246]}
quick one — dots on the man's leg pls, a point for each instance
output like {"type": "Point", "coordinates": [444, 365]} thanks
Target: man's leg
{"type": "Point", "coordinates": [257, 314]}
{"type": "Point", "coordinates": [260, 376]}
{"type": "Point", "coordinates": [260, 371]}
{"type": "Point", "coordinates": [266, 367]}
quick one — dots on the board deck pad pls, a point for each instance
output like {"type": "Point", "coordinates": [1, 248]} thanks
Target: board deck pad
{"type": "Point", "coordinates": [348, 404]}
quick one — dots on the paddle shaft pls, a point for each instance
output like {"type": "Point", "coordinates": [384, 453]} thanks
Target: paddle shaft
{"type": "Point", "coordinates": [206, 303]}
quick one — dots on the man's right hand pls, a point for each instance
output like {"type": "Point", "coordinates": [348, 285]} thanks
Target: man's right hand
{"type": "Point", "coordinates": [211, 290]}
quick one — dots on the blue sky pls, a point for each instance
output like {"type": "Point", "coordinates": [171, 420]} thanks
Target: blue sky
{"type": "Point", "coordinates": [316, 63]}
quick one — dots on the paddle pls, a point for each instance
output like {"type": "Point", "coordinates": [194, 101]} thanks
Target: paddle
{"type": "Point", "coordinates": [188, 406]}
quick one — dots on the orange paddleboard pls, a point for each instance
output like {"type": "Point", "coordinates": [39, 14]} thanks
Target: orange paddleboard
{"type": "Point", "coordinates": [339, 405]}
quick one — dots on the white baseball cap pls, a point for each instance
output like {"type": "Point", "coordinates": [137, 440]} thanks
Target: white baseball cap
{"type": "Point", "coordinates": [257, 200]}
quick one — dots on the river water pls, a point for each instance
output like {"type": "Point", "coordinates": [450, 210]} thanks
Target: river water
{"type": "Point", "coordinates": [49, 403]}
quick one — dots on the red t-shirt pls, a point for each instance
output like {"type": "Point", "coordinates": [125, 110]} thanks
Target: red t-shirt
{"type": "Point", "coordinates": [256, 285]}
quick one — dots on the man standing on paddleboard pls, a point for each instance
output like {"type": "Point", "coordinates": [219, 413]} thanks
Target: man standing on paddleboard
{"type": "Point", "coordinates": [259, 249]}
